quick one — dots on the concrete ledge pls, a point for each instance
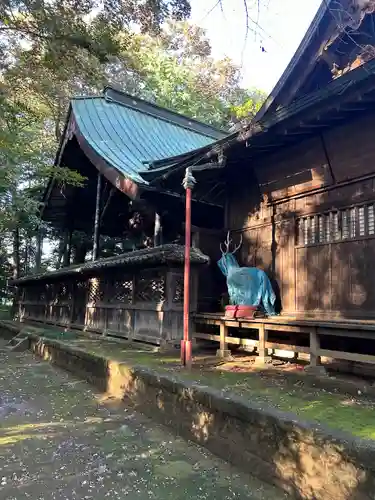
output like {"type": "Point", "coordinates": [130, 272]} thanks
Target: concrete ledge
{"type": "Point", "coordinates": [305, 459]}
{"type": "Point", "coordinates": [9, 329]}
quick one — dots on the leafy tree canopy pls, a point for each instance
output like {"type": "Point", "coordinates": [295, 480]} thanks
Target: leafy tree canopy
{"type": "Point", "coordinates": [51, 50]}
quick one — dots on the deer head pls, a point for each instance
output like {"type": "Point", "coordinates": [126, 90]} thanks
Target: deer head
{"type": "Point", "coordinates": [227, 243]}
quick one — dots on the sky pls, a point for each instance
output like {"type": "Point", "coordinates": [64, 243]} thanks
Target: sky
{"type": "Point", "coordinates": [283, 24]}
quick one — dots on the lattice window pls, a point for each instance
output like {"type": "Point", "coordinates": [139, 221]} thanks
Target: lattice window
{"type": "Point", "coordinates": [49, 291]}
{"type": "Point", "coordinates": [82, 284]}
{"type": "Point", "coordinates": [32, 293]}
{"type": "Point", "coordinates": [43, 293]}
{"type": "Point", "coordinates": [123, 290]}
{"type": "Point", "coordinates": [361, 217]}
{"type": "Point", "coordinates": [120, 289]}
{"type": "Point", "coordinates": [178, 296]}
{"type": "Point", "coordinates": [353, 222]}
{"type": "Point", "coordinates": [97, 290]}
{"type": "Point", "coordinates": [81, 289]}
{"type": "Point", "coordinates": [62, 292]}
{"type": "Point", "coordinates": [150, 289]}
{"type": "Point", "coordinates": [321, 228]}
{"type": "Point", "coordinates": [329, 227]}
{"type": "Point", "coordinates": [335, 230]}
{"type": "Point", "coordinates": [338, 225]}
{"type": "Point", "coordinates": [345, 225]}
{"type": "Point", "coordinates": [371, 219]}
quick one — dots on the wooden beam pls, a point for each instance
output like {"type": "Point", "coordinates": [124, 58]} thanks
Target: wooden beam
{"type": "Point", "coordinates": [265, 147]}
{"type": "Point", "coordinates": [288, 328]}
{"type": "Point", "coordinates": [105, 208]}
{"type": "Point", "coordinates": [206, 336]}
{"type": "Point", "coordinates": [350, 108]}
{"type": "Point", "coordinates": [289, 133]}
{"type": "Point", "coordinates": [313, 126]}
{"type": "Point", "coordinates": [337, 332]}
{"type": "Point", "coordinates": [211, 190]}
{"type": "Point", "coordinates": [348, 356]}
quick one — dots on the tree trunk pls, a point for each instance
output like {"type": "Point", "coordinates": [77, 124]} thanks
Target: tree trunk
{"type": "Point", "coordinates": [79, 254]}
{"type": "Point", "coordinates": [16, 271]}
{"type": "Point", "coordinates": [62, 246]}
{"type": "Point", "coordinates": [39, 250]}
{"type": "Point", "coordinates": [16, 254]}
{"type": "Point", "coordinates": [60, 254]}
{"type": "Point", "coordinates": [26, 256]}
{"type": "Point", "coordinates": [68, 249]}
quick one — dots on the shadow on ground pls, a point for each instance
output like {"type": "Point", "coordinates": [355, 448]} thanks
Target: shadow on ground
{"type": "Point", "coordinates": [60, 439]}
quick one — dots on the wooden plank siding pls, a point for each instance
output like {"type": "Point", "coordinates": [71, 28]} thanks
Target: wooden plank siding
{"type": "Point", "coordinates": [316, 239]}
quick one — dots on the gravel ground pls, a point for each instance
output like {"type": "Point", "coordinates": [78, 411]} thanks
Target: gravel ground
{"type": "Point", "coordinates": [59, 439]}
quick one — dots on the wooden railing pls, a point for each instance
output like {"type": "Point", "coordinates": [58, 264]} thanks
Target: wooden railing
{"type": "Point", "coordinates": [347, 340]}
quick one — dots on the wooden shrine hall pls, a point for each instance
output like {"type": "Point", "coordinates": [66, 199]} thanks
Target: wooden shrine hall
{"type": "Point", "coordinates": [121, 252]}
{"type": "Point", "coordinates": [297, 183]}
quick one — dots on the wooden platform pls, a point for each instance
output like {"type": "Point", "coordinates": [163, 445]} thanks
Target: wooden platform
{"type": "Point", "coordinates": [293, 328]}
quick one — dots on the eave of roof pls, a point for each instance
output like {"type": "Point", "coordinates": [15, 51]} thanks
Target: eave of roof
{"type": "Point", "coordinates": [129, 134]}
{"type": "Point", "coordinates": [169, 254]}
{"type": "Point", "coordinates": [303, 110]}
{"type": "Point", "coordinates": [322, 28]}
{"type": "Point", "coordinates": [124, 136]}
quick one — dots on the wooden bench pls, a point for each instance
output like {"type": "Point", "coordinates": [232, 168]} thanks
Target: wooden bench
{"type": "Point", "coordinates": [283, 324]}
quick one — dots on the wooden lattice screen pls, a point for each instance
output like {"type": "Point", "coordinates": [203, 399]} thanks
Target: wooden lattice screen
{"type": "Point", "coordinates": [150, 288]}
{"type": "Point", "coordinates": [137, 305]}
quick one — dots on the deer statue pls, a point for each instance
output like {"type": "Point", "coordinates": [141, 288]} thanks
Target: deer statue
{"type": "Point", "coordinates": [247, 286]}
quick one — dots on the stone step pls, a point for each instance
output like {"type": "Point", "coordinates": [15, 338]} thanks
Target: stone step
{"type": "Point", "coordinates": [21, 345]}
{"type": "Point", "coordinates": [18, 343]}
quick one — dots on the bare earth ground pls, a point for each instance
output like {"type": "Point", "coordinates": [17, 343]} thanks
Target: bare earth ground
{"type": "Point", "coordinates": [59, 439]}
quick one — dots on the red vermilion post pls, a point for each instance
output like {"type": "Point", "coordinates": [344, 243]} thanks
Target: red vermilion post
{"type": "Point", "coordinates": [186, 346]}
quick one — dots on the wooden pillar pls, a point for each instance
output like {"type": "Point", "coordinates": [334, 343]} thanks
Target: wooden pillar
{"type": "Point", "coordinates": [262, 351]}
{"type": "Point", "coordinates": [95, 251]}
{"type": "Point", "coordinates": [223, 352]}
{"type": "Point", "coordinates": [158, 230]}
{"type": "Point", "coordinates": [315, 359]}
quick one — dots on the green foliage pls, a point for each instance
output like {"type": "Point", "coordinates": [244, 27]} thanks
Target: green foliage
{"type": "Point", "coordinates": [250, 102]}
{"type": "Point", "coordinates": [176, 70]}
{"type": "Point", "coordinates": [50, 51]}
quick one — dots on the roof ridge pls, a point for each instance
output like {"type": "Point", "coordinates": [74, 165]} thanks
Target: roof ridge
{"type": "Point", "coordinates": [162, 113]}
{"type": "Point", "coordinates": [81, 97]}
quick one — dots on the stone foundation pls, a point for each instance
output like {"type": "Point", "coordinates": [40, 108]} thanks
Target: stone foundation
{"type": "Point", "coordinates": [305, 459]}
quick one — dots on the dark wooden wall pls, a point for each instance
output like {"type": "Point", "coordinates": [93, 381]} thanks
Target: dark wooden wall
{"type": "Point", "coordinates": [307, 214]}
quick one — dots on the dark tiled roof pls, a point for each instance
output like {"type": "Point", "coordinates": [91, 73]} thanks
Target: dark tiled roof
{"type": "Point", "coordinates": [168, 255]}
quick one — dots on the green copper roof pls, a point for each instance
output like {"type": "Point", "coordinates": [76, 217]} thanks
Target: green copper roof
{"type": "Point", "coordinates": [130, 134]}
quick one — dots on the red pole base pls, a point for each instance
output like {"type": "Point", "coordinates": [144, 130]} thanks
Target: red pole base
{"type": "Point", "coordinates": [186, 351]}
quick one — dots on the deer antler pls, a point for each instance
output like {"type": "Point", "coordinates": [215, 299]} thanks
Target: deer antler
{"type": "Point", "coordinates": [227, 244]}
{"type": "Point", "coordinates": [238, 246]}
